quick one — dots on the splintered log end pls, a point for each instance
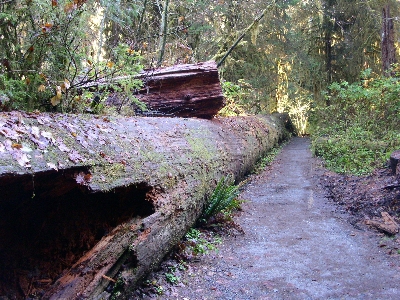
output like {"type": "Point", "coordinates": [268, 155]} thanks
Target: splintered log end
{"type": "Point", "coordinates": [192, 90]}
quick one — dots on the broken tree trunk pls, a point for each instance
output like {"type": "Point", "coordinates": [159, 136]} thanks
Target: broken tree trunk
{"type": "Point", "coordinates": [88, 198]}
{"type": "Point", "coordinates": [191, 90]}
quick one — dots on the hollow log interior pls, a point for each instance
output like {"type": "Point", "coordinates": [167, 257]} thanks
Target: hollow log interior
{"type": "Point", "coordinates": [48, 221]}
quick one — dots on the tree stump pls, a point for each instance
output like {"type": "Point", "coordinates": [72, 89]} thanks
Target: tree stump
{"type": "Point", "coordinates": [394, 162]}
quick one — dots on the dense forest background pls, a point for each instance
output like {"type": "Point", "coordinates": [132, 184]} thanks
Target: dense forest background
{"type": "Point", "coordinates": [326, 62]}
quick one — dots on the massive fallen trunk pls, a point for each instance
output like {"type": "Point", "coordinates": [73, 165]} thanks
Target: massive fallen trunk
{"type": "Point", "coordinates": [85, 197]}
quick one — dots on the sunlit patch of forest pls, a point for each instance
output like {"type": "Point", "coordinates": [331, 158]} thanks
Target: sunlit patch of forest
{"type": "Point", "coordinates": [330, 63]}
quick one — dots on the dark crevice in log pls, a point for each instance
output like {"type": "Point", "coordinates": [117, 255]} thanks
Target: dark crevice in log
{"type": "Point", "coordinates": [47, 223]}
{"type": "Point", "coordinates": [127, 261]}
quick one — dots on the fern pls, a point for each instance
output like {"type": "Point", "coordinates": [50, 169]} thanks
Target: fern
{"type": "Point", "coordinates": [222, 198]}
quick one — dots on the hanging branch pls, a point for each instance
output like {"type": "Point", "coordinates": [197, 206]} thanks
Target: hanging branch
{"type": "Point", "coordinates": [255, 23]}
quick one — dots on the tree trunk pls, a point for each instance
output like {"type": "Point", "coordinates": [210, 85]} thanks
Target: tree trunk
{"type": "Point", "coordinates": [387, 44]}
{"type": "Point", "coordinates": [328, 31]}
{"type": "Point", "coordinates": [83, 195]}
{"type": "Point", "coordinates": [139, 26]}
{"type": "Point", "coordinates": [163, 32]}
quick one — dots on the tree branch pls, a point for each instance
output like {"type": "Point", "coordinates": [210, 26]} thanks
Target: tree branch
{"type": "Point", "coordinates": [256, 20]}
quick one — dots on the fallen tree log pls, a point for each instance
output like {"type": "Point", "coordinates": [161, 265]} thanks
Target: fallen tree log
{"type": "Point", "coordinates": [85, 198]}
{"type": "Point", "coordinates": [190, 90]}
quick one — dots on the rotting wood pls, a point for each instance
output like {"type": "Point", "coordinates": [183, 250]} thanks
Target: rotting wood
{"type": "Point", "coordinates": [387, 224]}
{"type": "Point", "coordinates": [141, 181]}
{"type": "Point", "coordinates": [188, 90]}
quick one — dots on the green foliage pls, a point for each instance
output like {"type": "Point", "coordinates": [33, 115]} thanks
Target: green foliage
{"type": "Point", "coordinates": [157, 288]}
{"type": "Point", "coordinates": [48, 52]}
{"type": "Point", "coordinates": [222, 198]}
{"type": "Point", "coordinates": [235, 96]}
{"type": "Point", "coordinates": [199, 244]}
{"type": "Point", "coordinates": [118, 288]}
{"type": "Point", "coordinates": [172, 278]}
{"type": "Point", "coordinates": [360, 128]}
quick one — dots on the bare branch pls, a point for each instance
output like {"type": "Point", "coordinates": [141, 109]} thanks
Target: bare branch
{"type": "Point", "coordinates": [256, 20]}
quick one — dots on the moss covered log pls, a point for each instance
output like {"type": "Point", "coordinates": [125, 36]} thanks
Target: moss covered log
{"type": "Point", "coordinates": [85, 198]}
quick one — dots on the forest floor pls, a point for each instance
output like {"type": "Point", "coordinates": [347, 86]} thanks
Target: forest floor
{"type": "Point", "coordinates": [301, 234]}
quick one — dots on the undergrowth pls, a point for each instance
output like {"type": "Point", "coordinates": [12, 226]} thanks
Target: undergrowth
{"type": "Point", "coordinates": [235, 95]}
{"type": "Point", "coordinates": [359, 128]}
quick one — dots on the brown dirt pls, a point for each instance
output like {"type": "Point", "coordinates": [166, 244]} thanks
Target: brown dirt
{"type": "Point", "coordinates": [364, 197]}
{"type": "Point", "coordinates": [304, 237]}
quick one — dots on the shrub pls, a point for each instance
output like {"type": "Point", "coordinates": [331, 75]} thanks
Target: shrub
{"type": "Point", "coordinates": [360, 128]}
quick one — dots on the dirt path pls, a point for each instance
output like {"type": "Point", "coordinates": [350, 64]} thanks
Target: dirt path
{"type": "Point", "coordinates": [295, 245]}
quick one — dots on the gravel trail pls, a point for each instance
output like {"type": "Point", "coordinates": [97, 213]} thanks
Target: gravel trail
{"type": "Point", "coordinates": [295, 245]}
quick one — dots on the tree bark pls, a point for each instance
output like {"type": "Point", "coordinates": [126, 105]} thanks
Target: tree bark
{"type": "Point", "coordinates": [394, 162]}
{"type": "Point", "coordinates": [387, 44]}
{"type": "Point", "coordinates": [139, 26]}
{"type": "Point", "coordinates": [83, 195]}
{"type": "Point", "coordinates": [328, 31]}
{"type": "Point", "coordinates": [183, 91]}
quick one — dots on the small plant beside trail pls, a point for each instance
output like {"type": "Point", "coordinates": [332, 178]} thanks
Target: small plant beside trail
{"type": "Point", "coordinates": [222, 200]}
{"type": "Point", "coordinates": [172, 278]}
{"type": "Point", "coordinates": [199, 242]}
{"type": "Point", "coordinates": [196, 242]}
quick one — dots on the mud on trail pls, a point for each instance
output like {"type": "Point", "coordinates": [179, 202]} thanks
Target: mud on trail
{"type": "Point", "coordinates": [297, 245]}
